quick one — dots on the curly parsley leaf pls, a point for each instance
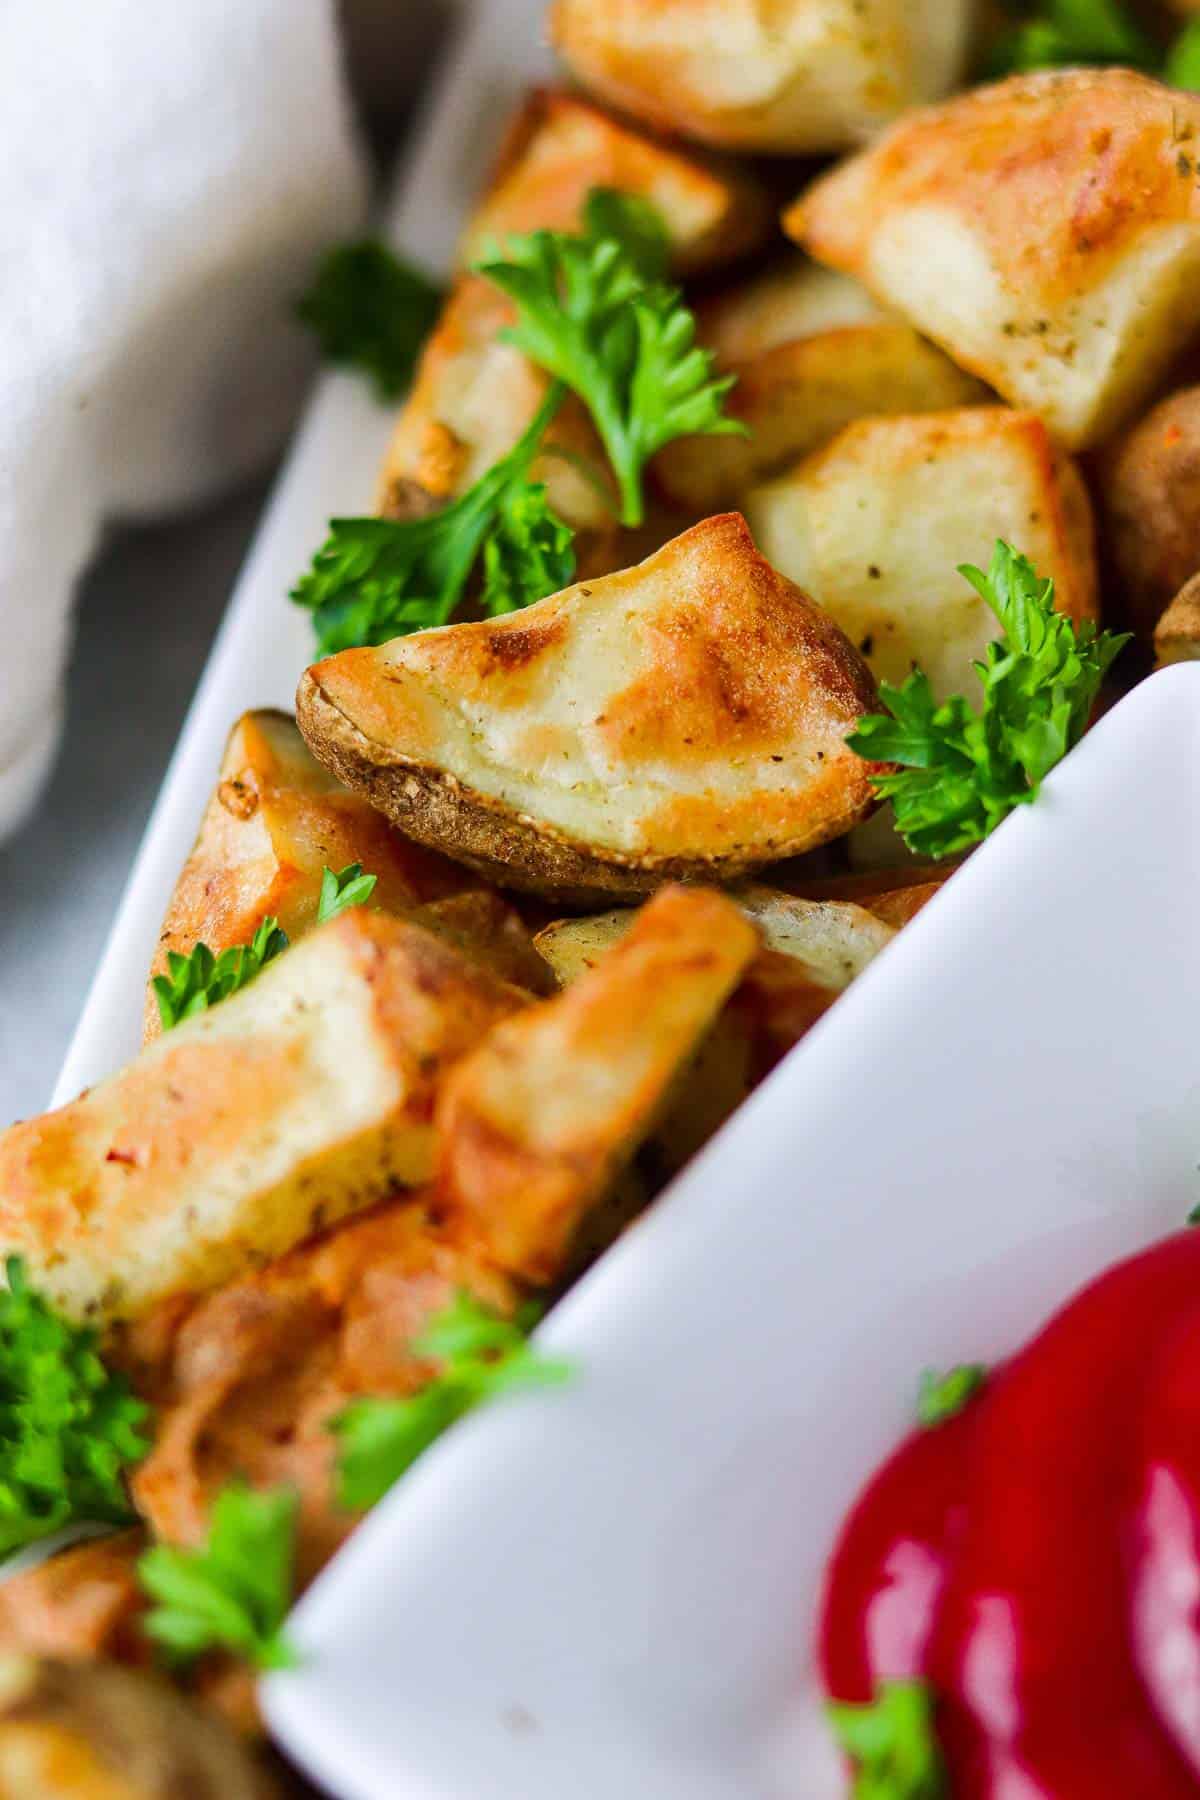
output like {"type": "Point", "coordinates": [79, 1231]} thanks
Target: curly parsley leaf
{"type": "Point", "coordinates": [371, 311]}
{"type": "Point", "coordinates": [622, 339]}
{"type": "Point", "coordinates": [68, 1427]}
{"type": "Point", "coordinates": [349, 887]}
{"type": "Point", "coordinates": [201, 979]}
{"type": "Point", "coordinates": [633, 223]}
{"type": "Point", "coordinates": [942, 1397]}
{"type": "Point", "coordinates": [482, 1357]}
{"type": "Point", "coordinates": [376, 579]}
{"type": "Point", "coordinates": [965, 771]}
{"type": "Point", "coordinates": [892, 1743]}
{"type": "Point", "coordinates": [234, 1593]}
{"type": "Point", "coordinates": [1068, 32]}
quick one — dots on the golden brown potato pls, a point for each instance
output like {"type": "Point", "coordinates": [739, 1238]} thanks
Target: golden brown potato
{"type": "Point", "coordinates": [1177, 636]}
{"type": "Point", "coordinates": [251, 1377]}
{"type": "Point", "coordinates": [797, 391]}
{"type": "Point", "coordinates": [796, 75]}
{"type": "Point", "coordinates": [1149, 486]}
{"type": "Point", "coordinates": [1044, 231]}
{"type": "Point", "coordinates": [70, 1731]}
{"type": "Point", "coordinates": [536, 1126]}
{"type": "Point", "coordinates": [683, 718]}
{"type": "Point", "coordinates": [559, 147]}
{"type": "Point", "coordinates": [876, 525]}
{"type": "Point", "coordinates": [276, 819]}
{"type": "Point", "coordinates": [84, 1602]}
{"type": "Point", "coordinates": [473, 397]}
{"type": "Point", "coordinates": [306, 1096]}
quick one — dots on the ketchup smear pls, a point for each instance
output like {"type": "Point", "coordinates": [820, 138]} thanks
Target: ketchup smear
{"type": "Point", "coordinates": [1036, 1558]}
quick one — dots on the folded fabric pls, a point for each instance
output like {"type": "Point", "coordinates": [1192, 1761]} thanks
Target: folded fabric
{"type": "Point", "coordinates": [168, 177]}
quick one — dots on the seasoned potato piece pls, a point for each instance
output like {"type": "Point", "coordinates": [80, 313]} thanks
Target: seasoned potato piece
{"type": "Point", "coordinates": [876, 524]}
{"type": "Point", "coordinates": [473, 397]}
{"type": "Point", "coordinates": [70, 1731]}
{"type": "Point", "coordinates": [812, 351]}
{"type": "Point", "coordinates": [1177, 637]}
{"type": "Point", "coordinates": [275, 820]}
{"type": "Point", "coordinates": [560, 147]}
{"type": "Point", "coordinates": [255, 1372]}
{"type": "Point", "coordinates": [85, 1601]}
{"type": "Point", "coordinates": [1044, 231]}
{"type": "Point", "coordinates": [1149, 485]}
{"type": "Point", "coordinates": [488, 930]}
{"type": "Point", "coordinates": [537, 1124]}
{"type": "Point", "coordinates": [683, 718]}
{"type": "Point", "coordinates": [793, 75]}
{"type": "Point", "coordinates": [306, 1096]}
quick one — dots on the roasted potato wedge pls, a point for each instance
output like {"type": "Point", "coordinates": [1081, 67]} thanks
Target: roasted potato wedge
{"type": "Point", "coordinates": [307, 1096]}
{"type": "Point", "coordinates": [536, 1126]}
{"type": "Point", "coordinates": [683, 718]}
{"type": "Point", "coordinates": [1044, 231]}
{"type": "Point", "coordinates": [83, 1602]}
{"type": "Point", "coordinates": [275, 820]}
{"type": "Point", "coordinates": [876, 524]}
{"type": "Point", "coordinates": [72, 1731]}
{"type": "Point", "coordinates": [472, 398]}
{"type": "Point", "coordinates": [1177, 636]}
{"type": "Point", "coordinates": [253, 1374]}
{"type": "Point", "coordinates": [801, 75]}
{"type": "Point", "coordinates": [1149, 487]}
{"type": "Point", "coordinates": [559, 147]}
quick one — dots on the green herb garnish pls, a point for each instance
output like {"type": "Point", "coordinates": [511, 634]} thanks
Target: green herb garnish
{"type": "Point", "coordinates": [376, 579]}
{"type": "Point", "coordinates": [1066, 32]}
{"type": "Point", "coordinates": [234, 1593]}
{"type": "Point", "coordinates": [349, 887]}
{"type": "Point", "coordinates": [941, 1397]}
{"type": "Point", "coordinates": [68, 1427]}
{"type": "Point", "coordinates": [964, 771]}
{"type": "Point", "coordinates": [1182, 68]}
{"type": "Point", "coordinates": [892, 1743]}
{"type": "Point", "coordinates": [593, 309]}
{"type": "Point", "coordinates": [482, 1356]}
{"type": "Point", "coordinates": [200, 979]}
{"type": "Point", "coordinates": [371, 311]}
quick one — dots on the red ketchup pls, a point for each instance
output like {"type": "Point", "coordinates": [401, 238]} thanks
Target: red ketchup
{"type": "Point", "coordinates": [1036, 1558]}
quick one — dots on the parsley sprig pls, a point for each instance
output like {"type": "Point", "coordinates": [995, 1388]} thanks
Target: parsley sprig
{"type": "Point", "coordinates": [482, 1355]}
{"type": "Point", "coordinates": [1064, 33]}
{"type": "Point", "coordinates": [371, 311]}
{"type": "Point", "coordinates": [593, 310]}
{"type": "Point", "coordinates": [375, 579]}
{"type": "Point", "coordinates": [348, 887]}
{"type": "Point", "coordinates": [965, 771]}
{"type": "Point", "coordinates": [892, 1744]}
{"type": "Point", "coordinates": [201, 979]}
{"type": "Point", "coordinates": [942, 1397]}
{"type": "Point", "coordinates": [234, 1592]}
{"type": "Point", "coordinates": [68, 1427]}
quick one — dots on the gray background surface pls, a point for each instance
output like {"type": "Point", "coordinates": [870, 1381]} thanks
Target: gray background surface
{"type": "Point", "coordinates": [147, 614]}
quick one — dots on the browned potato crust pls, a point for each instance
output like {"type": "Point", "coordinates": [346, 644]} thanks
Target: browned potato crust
{"type": "Point", "coordinates": [537, 1124]}
{"type": "Point", "coordinates": [1044, 231]}
{"type": "Point", "coordinates": [71, 1731]}
{"type": "Point", "coordinates": [560, 146]}
{"type": "Point", "coordinates": [1177, 637]}
{"type": "Point", "coordinates": [792, 76]}
{"type": "Point", "coordinates": [1149, 484]}
{"type": "Point", "coordinates": [306, 1096]}
{"type": "Point", "coordinates": [686, 718]}
{"type": "Point", "coordinates": [275, 820]}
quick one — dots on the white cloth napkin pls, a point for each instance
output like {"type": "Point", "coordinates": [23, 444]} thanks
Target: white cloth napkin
{"type": "Point", "coordinates": [168, 176]}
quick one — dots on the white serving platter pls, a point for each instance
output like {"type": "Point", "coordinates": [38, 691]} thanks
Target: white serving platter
{"type": "Point", "coordinates": [610, 1589]}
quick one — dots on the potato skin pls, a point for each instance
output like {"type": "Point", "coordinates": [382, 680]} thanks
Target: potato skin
{"type": "Point", "coordinates": [1177, 636]}
{"type": "Point", "coordinates": [1149, 485]}
{"type": "Point", "coordinates": [703, 740]}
